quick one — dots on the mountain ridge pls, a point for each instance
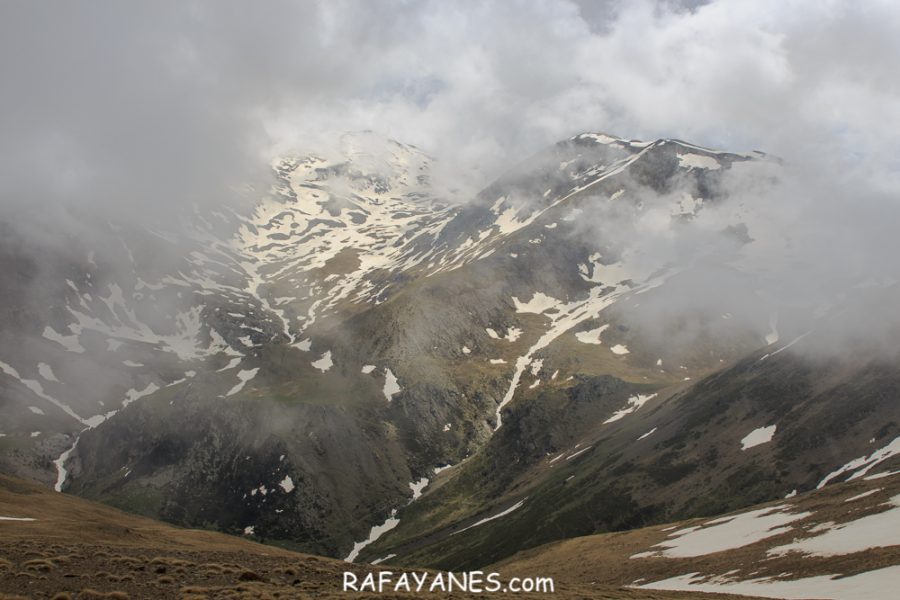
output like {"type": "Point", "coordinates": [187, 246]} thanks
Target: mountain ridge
{"type": "Point", "coordinates": [297, 372]}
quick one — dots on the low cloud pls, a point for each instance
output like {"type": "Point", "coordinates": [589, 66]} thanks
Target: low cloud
{"type": "Point", "coordinates": [132, 108]}
{"type": "Point", "coordinates": [136, 112]}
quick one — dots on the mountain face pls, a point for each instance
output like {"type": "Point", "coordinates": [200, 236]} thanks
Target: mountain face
{"type": "Point", "coordinates": [354, 367]}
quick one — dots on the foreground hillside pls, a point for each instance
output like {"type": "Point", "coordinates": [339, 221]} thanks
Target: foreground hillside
{"type": "Point", "coordinates": [73, 548]}
{"type": "Point", "coordinates": [839, 542]}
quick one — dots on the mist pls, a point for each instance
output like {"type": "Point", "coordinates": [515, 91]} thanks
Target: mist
{"type": "Point", "coordinates": [137, 113]}
{"type": "Point", "coordinates": [121, 107]}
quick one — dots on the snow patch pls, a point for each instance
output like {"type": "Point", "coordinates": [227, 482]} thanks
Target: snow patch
{"type": "Point", "coordinates": [872, 531]}
{"type": "Point", "coordinates": [46, 372]}
{"type": "Point", "coordinates": [391, 385]}
{"type": "Point", "coordinates": [634, 403]}
{"type": "Point", "coordinates": [726, 533]}
{"type": "Point", "coordinates": [592, 336]}
{"type": "Point", "coordinates": [69, 342]}
{"type": "Point", "coordinates": [864, 464]}
{"type": "Point", "coordinates": [376, 532]}
{"type": "Point", "coordinates": [863, 495]}
{"type": "Point", "coordinates": [417, 487]}
{"type": "Point", "coordinates": [648, 434]}
{"type": "Point", "coordinates": [244, 377]}
{"type": "Point", "coordinates": [698, 161]}
{"type": "Point", "coordinates": [868, 585]}
{"type": "Point", "coordinates": [512, 508]}
{"type": "Point", "coordinates": [761, 435]}
{"type": "Point", "coordinates": [324, 363]}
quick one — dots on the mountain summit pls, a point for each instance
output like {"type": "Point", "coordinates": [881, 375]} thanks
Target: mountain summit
{"type": "Point", "coordinates": [357, 367]}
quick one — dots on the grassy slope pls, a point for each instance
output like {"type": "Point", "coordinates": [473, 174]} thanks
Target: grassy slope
{"type": "Point", "coordinates": [603, 558]}
{"type": "Point", "coordinates": [75, 545]}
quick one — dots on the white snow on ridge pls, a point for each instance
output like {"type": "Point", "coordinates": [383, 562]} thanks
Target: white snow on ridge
{"type": "Point", "coordinates": [868, 585]}
{"type": "Point", "coordinates": [862, 495]}
{"type": "Point", "coordinates": [726, 533]}
{"type": "Point", "coordinates": [634, 403]}
{"type": "Point", "coordinates": [600, 138]}
{"type": "Point", "coordinates": [578, 453]}
{"type": "Point", "coordinates": [862, 465]}
{"type": "Point", "coordinates": [46, 372]}
{"type": "Point", "coordinates": [538, 304]}
{"type": "Point", "coordinates": [881, 475]}
{"type": "Point", "coordinates": [760, 435]}
{"type": "Point", "coordinates": [592, 336]}
{"type": "Point", "coordinates": [69, 342]}
{"type": "Point", "coordinates": [38, 390]}
{"type": "Point", "coordinates": [231, 364]}
{"type": "Point", "coordinates": [391, 385]}
{"type": "Point", "coordinates": [698, 161]}
{"type": "Point", "coordinates": [648, 434]}
{"type": "Point", "coordinates": [417, 487]}
{"type": "Point", "coordinates": [61, 472]}
{"type": "Point", "coordinates": [872, 531]}
{"type": "Point", "coordinates": [324, 363]}
{"type": "Point", "coordinates": [786, 346]}
{"type": "Point", "coordinates": [303, 345]}
{"type": "Point", "coordinates": [378, 561]}
{"type": "Point", "coordinates": [563, 318]}
{"type": "Point", "coordinates": [512, 508]}
{"type": "Point", "coordinates": [376, 532]}
{"type": "Point", "coordinates": [132, 394]}
{"type": "Point", "coordinates": [244, 377]}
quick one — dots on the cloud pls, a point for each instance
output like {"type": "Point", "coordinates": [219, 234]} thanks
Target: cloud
{"type": "Point", "coordinates": [125, 107]}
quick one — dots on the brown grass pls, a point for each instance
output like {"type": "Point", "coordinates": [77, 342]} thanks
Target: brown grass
{"type": "Point", "coordinates": [75, 536]}
{"type": "Point", "coordinates": [38, 564]}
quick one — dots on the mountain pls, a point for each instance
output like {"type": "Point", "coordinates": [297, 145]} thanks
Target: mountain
{"type": "Point", "coordinates": [355, 367]}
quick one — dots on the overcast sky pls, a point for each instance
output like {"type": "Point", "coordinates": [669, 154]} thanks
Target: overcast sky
{"type": "Point", "coordinates": [132, 106]}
